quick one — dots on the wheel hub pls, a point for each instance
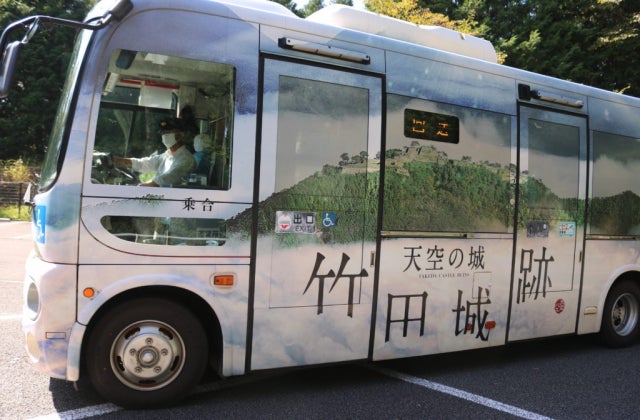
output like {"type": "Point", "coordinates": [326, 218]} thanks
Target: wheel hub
{"type": "Point", "coordinates": [147, 355]}
{"type": "Point", "coordinates": [624, 314]}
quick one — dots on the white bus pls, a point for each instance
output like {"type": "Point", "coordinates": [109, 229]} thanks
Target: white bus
{"type": "Point", "coordinates": [352, 187]}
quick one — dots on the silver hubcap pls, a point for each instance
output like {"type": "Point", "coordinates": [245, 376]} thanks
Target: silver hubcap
{"type": "Point", "coordinates": [624, 314]}
{"type": "Point", "coordinates": [147, 355]}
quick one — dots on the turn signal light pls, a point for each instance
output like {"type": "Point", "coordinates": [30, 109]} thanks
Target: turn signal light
{"type": "Point", "coordinates": [223, 280]}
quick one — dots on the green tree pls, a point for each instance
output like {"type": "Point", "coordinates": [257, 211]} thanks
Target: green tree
{"type": "Point", "coordinates": [421, 13]}
{"type": "Point", "coordinates": [410, 11]}
{"type": "Point", "coordinates": [617, 47]}
{"type": "Point", "coordinates": [595, 42]}
{"type": "Point", "coordinates": [27, 115]}
{"type": "Point", "coordinates": [445, 7]}
{"type": "Point", "coordinates": [313, 6]}
{"type": "Point", "coordinates": [291, 6]}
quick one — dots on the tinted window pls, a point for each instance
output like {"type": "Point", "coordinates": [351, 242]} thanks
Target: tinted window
{"type": "Point", "coordinates": [434, 186]}
{"type": "Point", "coordinates": [320, 126]}
{"type": "Point", "coordinates": [615, 198]}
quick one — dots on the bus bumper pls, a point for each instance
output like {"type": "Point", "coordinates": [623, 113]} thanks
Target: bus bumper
{"type": "Point", "coordinates": [48, 315]}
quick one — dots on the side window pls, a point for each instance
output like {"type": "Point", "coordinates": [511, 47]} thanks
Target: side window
{"type": "Point", "coordinates": [322, 128]}
{"type": "Point", "coordinates": [167, 230]}
{"type": "Point", "coordinates": [543, 194]}
{"type": "Point", "coordinates": [447, 168]}
{"type": "Point", "coordinates": [615, 197]}
{"type": "Point", "coordinates": [165, 121]}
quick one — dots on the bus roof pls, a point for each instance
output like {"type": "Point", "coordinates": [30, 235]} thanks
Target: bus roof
{"type": "Point", "coordinates": [263, 5]}
{"type": "Point", "coordinates": [347, 17]}
{"type": "Point", "coordinates": [348, 24]}
{"type": "Point", "coordinates": [429, 36]}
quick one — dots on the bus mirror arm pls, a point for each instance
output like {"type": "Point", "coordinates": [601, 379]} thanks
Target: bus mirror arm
{"type": "Point", "coordinates": [27, 198]}
{"type": "Point", "coordinates": [120, 10]}
{"type": "Point", "coordinates": [10, 50]}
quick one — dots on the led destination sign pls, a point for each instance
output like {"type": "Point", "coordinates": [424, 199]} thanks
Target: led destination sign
{"type": "Point", "coordinates": [425, 125]}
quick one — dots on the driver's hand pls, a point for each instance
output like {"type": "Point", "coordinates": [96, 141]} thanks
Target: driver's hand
{"type": "Point", "coordinates": [124, 162]}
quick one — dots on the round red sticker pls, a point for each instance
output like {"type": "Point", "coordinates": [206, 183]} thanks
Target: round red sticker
{"type": "Point", "coordinates": [559, 306]}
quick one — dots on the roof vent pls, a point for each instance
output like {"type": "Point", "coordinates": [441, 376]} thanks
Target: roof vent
{"type": "Point", "coordinates": [429, 36]}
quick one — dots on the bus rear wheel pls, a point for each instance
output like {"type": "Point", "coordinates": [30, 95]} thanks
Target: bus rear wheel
{"type": "Point", "coordinates": [146, 353]}
{"type": "Point", "coordinates": [621, 318]}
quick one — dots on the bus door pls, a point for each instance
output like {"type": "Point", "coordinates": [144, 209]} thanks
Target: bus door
{"type": "Point", "coordinates": [317, 215]}
{"type": "Point", "coordinates": [550, 224]}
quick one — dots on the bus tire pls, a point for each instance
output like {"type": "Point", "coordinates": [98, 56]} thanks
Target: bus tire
{"type": "Point", "coordinates": [146, 353]}
{"type": "Point", "coordinates": [621, 317]}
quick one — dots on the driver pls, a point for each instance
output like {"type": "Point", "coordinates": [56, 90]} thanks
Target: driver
{"type": "Point", "coordinates": [173, 166]}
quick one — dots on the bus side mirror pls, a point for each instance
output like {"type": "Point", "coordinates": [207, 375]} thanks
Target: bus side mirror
{"type": "Point", "coordinates": [9, 60]}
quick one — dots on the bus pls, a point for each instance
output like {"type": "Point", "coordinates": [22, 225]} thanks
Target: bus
{"type": "Point", "coordinates": [371, 189]}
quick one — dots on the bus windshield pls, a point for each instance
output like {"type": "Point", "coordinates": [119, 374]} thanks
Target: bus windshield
{"type": "Point", "coordinates": [55, 150]}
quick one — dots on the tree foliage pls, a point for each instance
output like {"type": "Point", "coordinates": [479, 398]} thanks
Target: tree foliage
{"type": "Point", "coordinates": [27, 115]}
{"type": "Point", "coordinates": [434, 193]}
{"type": "Point", "coordinates": [291, 5]}
{"type": "Point", "coordinates": [594, 42]}
{"type": "Point", "coordinates": [615, 215]}
{"type": "Point", "coordinates": [412, 11]}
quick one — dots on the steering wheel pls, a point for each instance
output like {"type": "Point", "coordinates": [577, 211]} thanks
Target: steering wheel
{"type": "Point", "coordinates": [128, 174]}
{"type": "Point", "coordinates": [104, 171]}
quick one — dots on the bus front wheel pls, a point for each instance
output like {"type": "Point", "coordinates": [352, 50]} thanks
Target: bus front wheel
{"type": "Point", "coordinates": [146, 352]}
{"type": "Point", "coordinates": [621, 317]}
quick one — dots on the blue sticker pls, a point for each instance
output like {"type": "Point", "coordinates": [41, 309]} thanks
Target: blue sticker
{"type": "Point", "coordinates": [40, 220]}
{"type": "Point", "coordinates": [566, 229]}
{"type": "Point", "coordinates": [328, 220]}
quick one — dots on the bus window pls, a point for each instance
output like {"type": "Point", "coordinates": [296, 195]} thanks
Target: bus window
{"type": "Point", "coordinates": [320, 128]}
{"type": "Point", "coordinates": [167, 230]}
{"type": "Point", "coordinates": [615, 202]}
{"type": "Point", "coordinates": [143, 91]}
{"type": "Point", "coordinates": [549, 181]}
{"type": "Point", "coordinates": [447, 168]}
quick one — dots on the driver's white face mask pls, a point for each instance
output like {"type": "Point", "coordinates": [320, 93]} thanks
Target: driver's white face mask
{"type": "Point", "coordinates": [197, 144]}
{"type": "Point", "coordinates": [169, 139]}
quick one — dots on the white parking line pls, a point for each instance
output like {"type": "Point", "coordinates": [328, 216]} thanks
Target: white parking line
{"type": "Point", "coordinates": [96, 410]}
{"type": "Point", "coordinates": [11, 317]}
{"type": "Point", "coordinates": [458, 393]}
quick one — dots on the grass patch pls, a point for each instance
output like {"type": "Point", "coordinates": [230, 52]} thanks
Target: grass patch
{"type": "Point", "coordinates": [13, 213]}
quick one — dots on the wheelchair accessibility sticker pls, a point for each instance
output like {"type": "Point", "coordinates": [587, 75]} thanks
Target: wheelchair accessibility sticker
{"type": "Point", "coordinates": [41, 220]}
{"type": "Point", "coordinates": [328, 220]}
